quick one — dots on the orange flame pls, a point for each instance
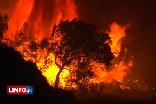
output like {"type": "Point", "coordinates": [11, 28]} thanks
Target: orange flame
{"type": "Point", "coordinates": [62, 13]}
{"type": "Point", "coordinates": [117, 33]}
{"type": "Point", "coordinates": [45, 60]}
{"type": "Point", "coordinates": [20, 15]}
{"type": "Point", "coordinates": [117, 72]}
{"type": "Point", "coordinates": [23, 12]}
{"type": "Point", "coordinates": [62, 10]}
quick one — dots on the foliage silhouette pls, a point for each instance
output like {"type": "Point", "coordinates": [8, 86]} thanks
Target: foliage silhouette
{"type": "Point", "coordinates": [81, 41]}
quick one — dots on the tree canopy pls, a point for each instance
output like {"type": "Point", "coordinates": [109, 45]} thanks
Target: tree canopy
{"type": "Point", "coordinates": [79, 40]}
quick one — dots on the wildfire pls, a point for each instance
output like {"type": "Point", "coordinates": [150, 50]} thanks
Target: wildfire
{"type": "Point", "coordinates": [117, 72]}
{"type": "Point", "coordinates": [117, 33]}
{"type": "Point", "coordinates": [25, 11]}
{"type": "Point", "coordinates": [119, 69]}
{"type": "Point", "coordinates": [45, 59]}
{"type": "Point", "coordinates": [61, 14]}
{"type": "Point", "coordinates": [20, 15]}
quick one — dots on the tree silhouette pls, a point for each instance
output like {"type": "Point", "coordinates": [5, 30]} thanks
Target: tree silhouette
{"type": "Point", "coordinates": [15, 70]}
{"type": "Point", "coordinates": [81, 41]}
{"type": "Point", "coordinates": [3, 25]}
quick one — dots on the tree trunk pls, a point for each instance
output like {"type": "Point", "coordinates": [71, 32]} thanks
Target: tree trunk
{"type": "Point", "coordinates": [57, 77]}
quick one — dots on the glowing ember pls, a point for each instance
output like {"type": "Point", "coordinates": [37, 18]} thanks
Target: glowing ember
{"type": "Point", "coordinates": [39, 52]}
{"type": "Point", "coordinates": [45, 61]}
{"type": "Point", "coordinates": [117, 72]}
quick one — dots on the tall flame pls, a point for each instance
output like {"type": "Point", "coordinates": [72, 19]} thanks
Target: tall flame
{"type": "Point", "coordinates": [119, 69]}
{"type": "Point", "coordinates": [64, 10]}
{"type": "Point", "coordinates": [35, 14]}
{"type": "Point", "coordinates": [116, 72]}
{"type": "Point", "coordinates": [45, 60]}
{"type": "Point", "coordinates": [117, 33]}
{"type": "Point", "coordinates": [20, 15]}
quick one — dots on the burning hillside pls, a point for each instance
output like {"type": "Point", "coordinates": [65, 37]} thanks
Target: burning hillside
{"type": "Point", "coordinates": [73, 54]}
{"type": "Point", "coordinates": [88, 50]}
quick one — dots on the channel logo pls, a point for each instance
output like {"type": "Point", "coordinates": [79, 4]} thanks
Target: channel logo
{"type": "Point", "coordinates": [20, 90]}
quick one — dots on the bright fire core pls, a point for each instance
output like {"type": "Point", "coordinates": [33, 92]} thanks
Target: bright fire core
{"type": "Point", "coordinates": [45, 61]}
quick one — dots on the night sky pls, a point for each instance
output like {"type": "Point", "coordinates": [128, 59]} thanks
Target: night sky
{"type": "Point", "coordinates": [141, 35]}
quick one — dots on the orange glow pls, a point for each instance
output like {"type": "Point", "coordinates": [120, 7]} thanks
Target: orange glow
{"type": "Point", "coordinates": [117, 72]}
{"type": "Point", "coordinates": [19, 16]}
{"type": "Point", "coordinates": [118, 69]}
{"type": "Point", "coordinates": [23, 12]}
{"type": "Point", "coordinates": [45, 62]}
{"type": "Point", "coordinates": [51, 73]}
{"type": "Point", "coordinates": [64, 10]}
{"type": "Point", "coordinates": [38, 29]}
{"type": "Point", "coordinates": [117, 33]}
{"type": "Point", "coordinates": [45, 59]}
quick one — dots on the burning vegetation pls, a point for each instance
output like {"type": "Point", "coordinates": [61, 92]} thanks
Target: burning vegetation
{"type": "Point", "coordinates": [74, 54]}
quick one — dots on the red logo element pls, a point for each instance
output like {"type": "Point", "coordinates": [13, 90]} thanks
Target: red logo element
{"type": "Point", "coordinates": [19, 90]}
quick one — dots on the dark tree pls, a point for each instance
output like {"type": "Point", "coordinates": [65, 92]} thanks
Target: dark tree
{"type": "Point", "coordinates": [44, 43]}
{"type": "Point", "coordinates": [81, 41]}
{"type": "Point", "coordinates": [3, 25]}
